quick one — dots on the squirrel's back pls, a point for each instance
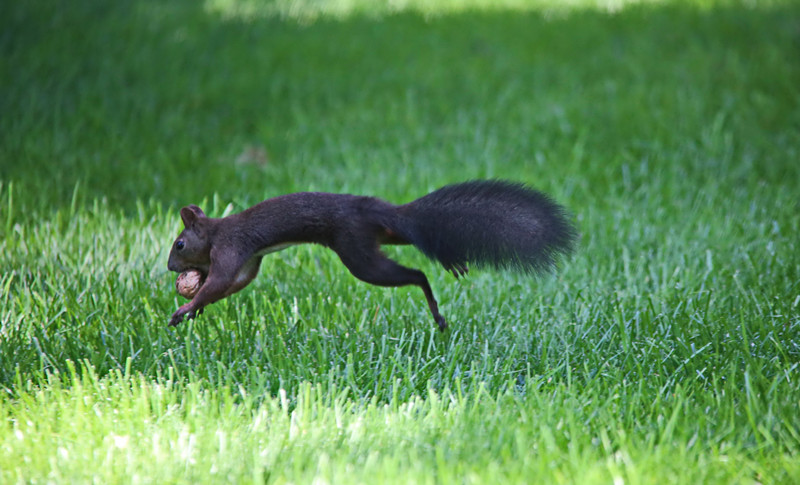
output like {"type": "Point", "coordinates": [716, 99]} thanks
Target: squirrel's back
{"type": "Point", "coordinates": [495, 223]}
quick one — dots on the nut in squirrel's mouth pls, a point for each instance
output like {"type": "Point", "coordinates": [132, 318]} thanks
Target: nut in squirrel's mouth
{"type": "Point", "coordinates": [189, 282]}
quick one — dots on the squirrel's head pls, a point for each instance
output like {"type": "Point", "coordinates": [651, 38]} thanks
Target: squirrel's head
{"type": "Point", "coordinates": [192, 248]}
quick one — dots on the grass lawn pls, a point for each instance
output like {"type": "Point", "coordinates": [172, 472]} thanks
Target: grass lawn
{"type": "Point", "coordinates": [666, 350]}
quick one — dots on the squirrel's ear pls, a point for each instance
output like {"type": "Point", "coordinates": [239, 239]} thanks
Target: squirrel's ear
{"type": "Point", "coordinates": [190, 214]}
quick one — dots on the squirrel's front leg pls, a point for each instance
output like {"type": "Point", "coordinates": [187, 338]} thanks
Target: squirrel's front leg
{"type": "Point", "coordinates": [214, 289]}
{"type": "Point", "coordinates": [221, 281]}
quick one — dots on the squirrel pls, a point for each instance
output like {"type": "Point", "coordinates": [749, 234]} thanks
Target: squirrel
{"type": "Point", "coordinates": [486, 223]}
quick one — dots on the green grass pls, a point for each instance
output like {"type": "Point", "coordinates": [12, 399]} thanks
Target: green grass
{"type": "Point", "coordinates": [666, 350]}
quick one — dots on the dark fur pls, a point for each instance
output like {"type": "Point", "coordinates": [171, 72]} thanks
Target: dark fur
{"type": "Point", "coordinates": [494, 223]}
{"type": "Point", "coordinates": [489, 223]}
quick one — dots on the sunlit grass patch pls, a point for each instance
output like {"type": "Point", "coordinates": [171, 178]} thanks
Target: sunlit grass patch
{"type": "Point", "coordinates": [310, 10]}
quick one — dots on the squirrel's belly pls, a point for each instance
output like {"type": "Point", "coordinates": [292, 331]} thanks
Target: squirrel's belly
{"type": "Point", "coordinates": [276, 247]}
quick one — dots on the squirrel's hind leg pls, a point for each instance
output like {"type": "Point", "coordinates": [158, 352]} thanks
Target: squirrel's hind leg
{"type": "Point", "coordinates": [369, 264]}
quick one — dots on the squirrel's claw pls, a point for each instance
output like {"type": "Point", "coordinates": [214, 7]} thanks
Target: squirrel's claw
{"type": "Point", "coordinates": [186, 311]}
{"type": "Point", "coordinates": [177, 317]}
{"type": "Point", "coordinates": [459, 270]}
{"type": "Point", "coordinates": [441, 322]}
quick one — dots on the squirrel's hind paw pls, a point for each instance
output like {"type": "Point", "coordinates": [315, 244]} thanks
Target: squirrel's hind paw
{"type": "Point", "coordinates": [459, 270]}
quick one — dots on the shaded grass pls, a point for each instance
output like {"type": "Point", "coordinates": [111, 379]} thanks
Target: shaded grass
{"type": "Point", "coordinates": [667, 349]}
{"type": "Point", "coordinates": [522, 96]}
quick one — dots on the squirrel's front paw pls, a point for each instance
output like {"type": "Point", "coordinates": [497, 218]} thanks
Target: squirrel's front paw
{"type": "Point", "coordinates": [186, 311]}
{"type": "Point", "coordinates": [177, 317]}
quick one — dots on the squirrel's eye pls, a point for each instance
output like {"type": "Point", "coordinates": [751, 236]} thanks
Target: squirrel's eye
{"type": "Point", "coordinates": [179, 245]}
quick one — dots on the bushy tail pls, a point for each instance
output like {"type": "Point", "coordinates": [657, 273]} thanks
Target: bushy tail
{"type": "Point", "coordinates": [488, 223]}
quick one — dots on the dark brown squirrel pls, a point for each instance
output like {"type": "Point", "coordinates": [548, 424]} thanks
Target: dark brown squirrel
{"type": "Point", "coordinates": [490, 223]}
